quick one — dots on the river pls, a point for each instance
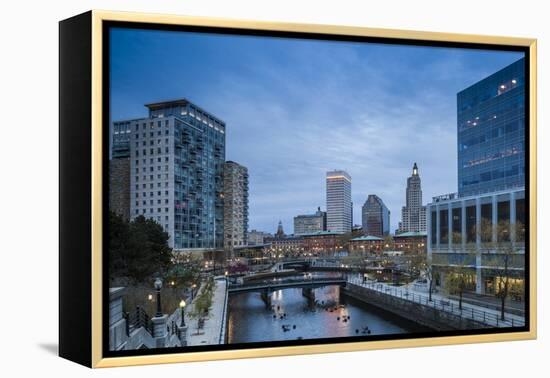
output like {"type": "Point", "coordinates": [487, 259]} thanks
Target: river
{"type": "Point", "coordinates": [331, 315]}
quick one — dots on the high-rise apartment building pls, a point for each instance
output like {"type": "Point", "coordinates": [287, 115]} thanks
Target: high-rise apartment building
{"type": "Point", "coordinates": [235, 191]}
{"type": "Point", "coordinates": [310, 223]}
{"type": "Point", "coordinates": [413, 214]}
{"type": "Point", "coordinates": [491, 132]}
{"type": "Point", "coordinates": [339, 205]}
{"type": "Point", "coordinates": [177, 155]}
{"type": "Point", "coordinates": [375, 217]}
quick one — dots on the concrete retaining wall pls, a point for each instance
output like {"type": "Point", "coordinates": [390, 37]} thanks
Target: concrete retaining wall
{"type": "Point", "coordinates": [419, 313]}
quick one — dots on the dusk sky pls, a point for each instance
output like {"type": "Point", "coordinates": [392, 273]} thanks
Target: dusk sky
{"type": "Point", "coordinates": [295, 109]}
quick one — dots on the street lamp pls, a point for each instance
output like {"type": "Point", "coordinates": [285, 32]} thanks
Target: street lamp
{"type": "Point", "coordinates": [182, 306]}
{"type": "Point", "coordinates": [193, 291]}
{"type": "Point", "coordinates": [158, 286]}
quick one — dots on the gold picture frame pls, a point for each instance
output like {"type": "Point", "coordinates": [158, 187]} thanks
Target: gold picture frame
{"type": "Point", "coordinates": [94, 22]}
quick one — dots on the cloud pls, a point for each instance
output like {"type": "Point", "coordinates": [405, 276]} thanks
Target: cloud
{"type": "Point", "coordinates": [295, 109]}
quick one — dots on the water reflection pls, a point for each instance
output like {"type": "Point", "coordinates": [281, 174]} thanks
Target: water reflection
{"type": "Point", "coordinates": [293, 316]}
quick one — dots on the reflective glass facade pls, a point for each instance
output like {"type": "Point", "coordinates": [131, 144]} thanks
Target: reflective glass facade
{"type": "Point", "coordinates": [375, 217]}
{"type": "Point", "coordinates": [491, 132]}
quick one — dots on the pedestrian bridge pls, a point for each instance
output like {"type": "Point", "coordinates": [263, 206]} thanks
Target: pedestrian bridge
{"type": "Point", "coordinates": [279, 284]}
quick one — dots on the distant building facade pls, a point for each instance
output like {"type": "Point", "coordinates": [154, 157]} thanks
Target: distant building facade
{"type": "Point", "coordinates": [257, 237]}
{"type": "Point", "coordinates": [177, 155]}
{"type": "Point", "coordinates": [235, 215]}
{"type": "Point", "coordinates": [285, 245]}
{"type": "Point", "coordinates": [323, 243]}
{"type": "Point", "coordinates": [366, 244]}
{"type": "Point", "coordinates": [375, 217]}
{"type": "Point", "coordinates": [339, 205]}
{"type": "Point", "coordinates": [410, 242]}
{"type": "Point", "coordinates": [413, 214]}
{"type": "Point", "coordinates": [305, 224]}
{"type": "Point", "coordinates": [280, 232]}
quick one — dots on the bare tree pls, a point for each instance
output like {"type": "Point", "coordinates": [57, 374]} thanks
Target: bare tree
{"type": "Point", "coordinates": [500, 250]}
{"type": "Point", "coordinates": [458, 278]}
{"type": "Point", "coordinates": [422, 267]}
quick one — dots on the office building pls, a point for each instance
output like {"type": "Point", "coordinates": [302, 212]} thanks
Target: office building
{"type": "Point", "coordinates": [413, 214]}
{"type": "Point", "coordinates": [339, 205]}
{"type": "Point", "coordinates": [491, 132]}
{"type": "Point", "coordinates": [375, 217]}
{"type": "Point", "coordinates": [306, 224]}
{"type": "Point", "coordinates": [483, 222]}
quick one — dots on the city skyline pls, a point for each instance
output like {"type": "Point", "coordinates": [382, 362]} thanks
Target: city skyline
{"type": "Point", "coordinates": [344, 128]}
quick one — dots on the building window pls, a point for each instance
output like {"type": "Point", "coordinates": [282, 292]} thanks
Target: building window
{"type": "Point", "coordinates": [444, 226]}
{"type": "Point", "coordinates": [520, 220]}
{"type": "Point", "coordinates": [457, 226]}
{"type": "Point", "coordinates": [503, 215]}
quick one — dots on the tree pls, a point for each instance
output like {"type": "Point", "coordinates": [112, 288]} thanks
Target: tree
{"type": "Point", "coordinates": [459, 275]}
{"type": "Point", "coordinates": [500, 250]}
{"type": "Point", "coordinates": [183, 275]}
{"type": "Point", "coordinates": [137, 249]}
{"type": "Point", "coordinates": [455, 283]}
{"type": "Point", "coordinates": [119, 238]}
{"type": "Point", "coordinates": [421, 267]}
{"type": "Point", "coordinates": [203, 303]}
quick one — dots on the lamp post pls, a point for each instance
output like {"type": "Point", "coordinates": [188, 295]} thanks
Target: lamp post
{"type": "Point", "coordinates": [182, 306]}
{"type": "Point", "coordinates": [158, 286]}
{"type": "Point", "coordinates": [193, 291]}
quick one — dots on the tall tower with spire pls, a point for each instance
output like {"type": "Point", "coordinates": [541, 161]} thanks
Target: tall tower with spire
{"type": "Point", "coordinates": [413, 214]}
{"type": "Point", "coordinates": [280, 233]}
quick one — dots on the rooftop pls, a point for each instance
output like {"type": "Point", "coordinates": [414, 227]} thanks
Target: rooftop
{"type": "Point", "coordinates": [411, 234]}
{"type": "Point", "coordinates": [321, 233]}
{"type": "Point", "coordinates": [367, 238]}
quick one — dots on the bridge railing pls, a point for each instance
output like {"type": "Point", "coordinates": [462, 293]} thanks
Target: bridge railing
{"type": "Point", "coordinates": [447, 306]}
{"type": "Point", "coordinates": [283, 281]}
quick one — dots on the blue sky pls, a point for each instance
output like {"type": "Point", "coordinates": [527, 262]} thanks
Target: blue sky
{"type": "Point", "coordinates": [295, 109]}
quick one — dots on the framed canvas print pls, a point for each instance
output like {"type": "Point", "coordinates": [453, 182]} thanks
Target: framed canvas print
{"type": "Point", "coordinates": [234, 189]}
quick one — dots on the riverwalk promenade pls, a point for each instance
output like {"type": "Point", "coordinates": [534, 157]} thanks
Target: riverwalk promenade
{"type": "Point", "coordinates": [213, 329]}
{"type": "Point", "coordinates": [486, 316]}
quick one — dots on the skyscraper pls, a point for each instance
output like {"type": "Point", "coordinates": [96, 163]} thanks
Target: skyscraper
{"type": "Point", "coordinates": [375, 217]}
{"type": "Point", "coordinates": [339, 205]}
{"type": "Point", "coordinates": [176, 176]}
{"type": "Point", "coordinates": [413, 214]}
{"type": "Point", "coordinates": [280, 232]}
{"type": "Point", "coordinates": [235, 215]}
{"type": "Point", "coordinates": [491, 132]}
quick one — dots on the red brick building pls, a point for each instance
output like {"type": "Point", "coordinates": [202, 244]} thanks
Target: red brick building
{"type": "Point", "coordinates": [322, 243]}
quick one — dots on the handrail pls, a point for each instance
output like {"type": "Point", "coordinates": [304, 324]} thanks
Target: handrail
{"type": "Point", "coordinates": [447, 306]}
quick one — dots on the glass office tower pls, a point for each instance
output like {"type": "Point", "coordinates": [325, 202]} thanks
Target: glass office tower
{"type": "Point", "coordinates": [491, 132]}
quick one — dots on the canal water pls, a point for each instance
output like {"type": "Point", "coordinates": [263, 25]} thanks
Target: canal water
{"type": "Point", "coordinates": [330, 315]}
